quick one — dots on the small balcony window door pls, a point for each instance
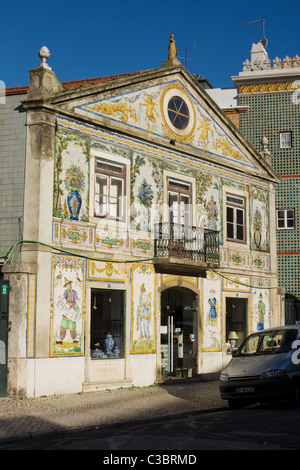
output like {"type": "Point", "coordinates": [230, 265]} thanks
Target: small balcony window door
{"type": "Point", "coordinates": [180, 202]}
{"type": "Point", "coordinates": [235, 218]}
{"type": "Point", "coordinates": [109, 189]}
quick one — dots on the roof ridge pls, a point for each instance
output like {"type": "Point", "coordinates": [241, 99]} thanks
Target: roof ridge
{"type": "Point", "coordinates": [73, 84]}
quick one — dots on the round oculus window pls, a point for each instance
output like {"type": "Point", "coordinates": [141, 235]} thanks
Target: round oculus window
{"type": "Point", "coordinates": [178, 112]}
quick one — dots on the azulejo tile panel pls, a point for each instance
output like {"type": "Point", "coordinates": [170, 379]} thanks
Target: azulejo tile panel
{"type": "Point", "coordinates": [143, 309]}
{"type": "Point", "coordinates": [105, 271]}
{"type": "Point", "coordinates": [261, 291]}
{"type": "Point", "coordinates": [71, 176]}
{"type": "Point", "coordinates": [212, 312]}
{"type": "Point", "coordinates": [244, 259]}
{"type": "Point", "coordinates": [170, 277]}
{"type": "Point", "coordinates": [236, 283]}
{"type": "Point", "coordinates": [78, 235]}
{"type": "Point", "coordinates": [68, 306]}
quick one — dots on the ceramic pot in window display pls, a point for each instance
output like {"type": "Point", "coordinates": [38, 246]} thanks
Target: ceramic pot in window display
{"type": "Point", "coordinates": [109, 343]}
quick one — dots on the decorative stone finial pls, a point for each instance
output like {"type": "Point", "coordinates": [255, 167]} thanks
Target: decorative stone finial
{"type": "Point", "coordinates": [172, 48]}
{"type": "Point", "coordinates": [264, 150]}
{"type": "Point", "coordinates": [264, 143]}
{"type": "Point", "coordinates": [43, 81]}
{"type": "Point", "coordinates": [246, 65]}
{"type": "Point", "coordinates": [287, 62]}
{"type": "Point", "coordinates": [44, 54]}
{"type": "Point", "coordinates": [172, 54]}
{"type": "Point", "coordinates": [277, 63]}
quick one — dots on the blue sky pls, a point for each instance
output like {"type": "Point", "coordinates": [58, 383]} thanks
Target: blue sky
{"type": "Point", "coordinates": [89, 39]}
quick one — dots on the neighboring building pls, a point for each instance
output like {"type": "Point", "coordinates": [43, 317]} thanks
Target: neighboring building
{"type": "Point", "coordinates": [12, 157]}
{"type": "Point", "coordinates": [143, 216]}
{"type": "Point", "coordinates": [271, 93]}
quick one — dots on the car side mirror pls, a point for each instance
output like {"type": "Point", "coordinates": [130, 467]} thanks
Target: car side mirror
{"type": "Point", "coordinates": [233, 353]}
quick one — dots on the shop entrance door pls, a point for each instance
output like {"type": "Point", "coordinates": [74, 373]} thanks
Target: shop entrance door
{"type": "Point", "coordinates": [178, 332]}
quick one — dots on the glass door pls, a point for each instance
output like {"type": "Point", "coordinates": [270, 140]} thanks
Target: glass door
{"type": "Point", "coordinates": [178, 333]}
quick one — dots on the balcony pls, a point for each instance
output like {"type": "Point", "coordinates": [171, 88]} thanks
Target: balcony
{"type": "Point", "coordinates": [184, 250]}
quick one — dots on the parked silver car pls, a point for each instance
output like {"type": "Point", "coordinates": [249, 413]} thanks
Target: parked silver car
{"type": "Point", "coordinates": [265, 367]}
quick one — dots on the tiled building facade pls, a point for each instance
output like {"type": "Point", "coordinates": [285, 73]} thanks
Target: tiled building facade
{"type": "Point", "coordinates": [146, 235]}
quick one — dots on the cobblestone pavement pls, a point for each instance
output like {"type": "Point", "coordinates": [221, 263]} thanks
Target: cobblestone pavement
{"type": "Point", "coordinates": [34, 416]}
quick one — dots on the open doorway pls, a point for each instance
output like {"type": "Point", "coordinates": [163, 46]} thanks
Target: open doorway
{"type": "Point", "coordinates": [178, 332]}
{"type": "Point", "coordinates": [236, 321]}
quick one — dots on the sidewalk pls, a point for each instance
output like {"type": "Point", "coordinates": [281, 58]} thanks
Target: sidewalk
{"type": "Point", "coordinates": [23, 418]}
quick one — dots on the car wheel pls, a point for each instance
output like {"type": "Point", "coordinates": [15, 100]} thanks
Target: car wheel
{"type": "Point", "coordinates": [294, 394]}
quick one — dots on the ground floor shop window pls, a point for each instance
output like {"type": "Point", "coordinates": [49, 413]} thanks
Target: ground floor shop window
{"type": "Point", "coordinates": [107, 323]}
{"type": "Point", "coordinates": [236, 321]}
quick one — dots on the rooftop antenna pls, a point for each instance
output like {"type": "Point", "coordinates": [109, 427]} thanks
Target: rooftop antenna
{"type": "Point", "coordinates": [264, 40]}
{"type": "Point", "coordinates": [186, 58]}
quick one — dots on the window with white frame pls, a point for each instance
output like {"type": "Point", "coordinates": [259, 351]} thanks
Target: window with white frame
{"type": "Point", "coordinates": [285, 140]}
{"type": "Point", "coordinates": [109, 189]}
{"type": "Point", "coordinates": [285, 219]}
{"type": "Point", "coordinates": [236, 218]}
{"type": "Point", "coordinates": [180, 202]}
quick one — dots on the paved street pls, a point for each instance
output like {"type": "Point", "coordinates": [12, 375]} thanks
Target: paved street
{"type": "Point", "coordinates": [258, 428]}
{"type": "Point", "coordinates": [27, 417]}
{"type": "Point", "coordinates": [171, 418]}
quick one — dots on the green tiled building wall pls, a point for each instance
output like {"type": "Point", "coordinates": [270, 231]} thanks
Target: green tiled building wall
{"type": "Point", "coordinates": [268, 115]}
{"type": "Point", "coordinates": [12, 173]}
{"type": "Point", "coordinates": [289, 276]}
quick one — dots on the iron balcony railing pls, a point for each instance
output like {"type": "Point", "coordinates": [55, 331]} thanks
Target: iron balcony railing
{"type": "Point", "coordinates": [184, 242]}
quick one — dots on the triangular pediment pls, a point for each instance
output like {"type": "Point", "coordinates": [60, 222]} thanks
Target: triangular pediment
{"type": "Point", "coordinates": [145, 106]}
{"type": "Point", "coordinates": [147, 109]}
